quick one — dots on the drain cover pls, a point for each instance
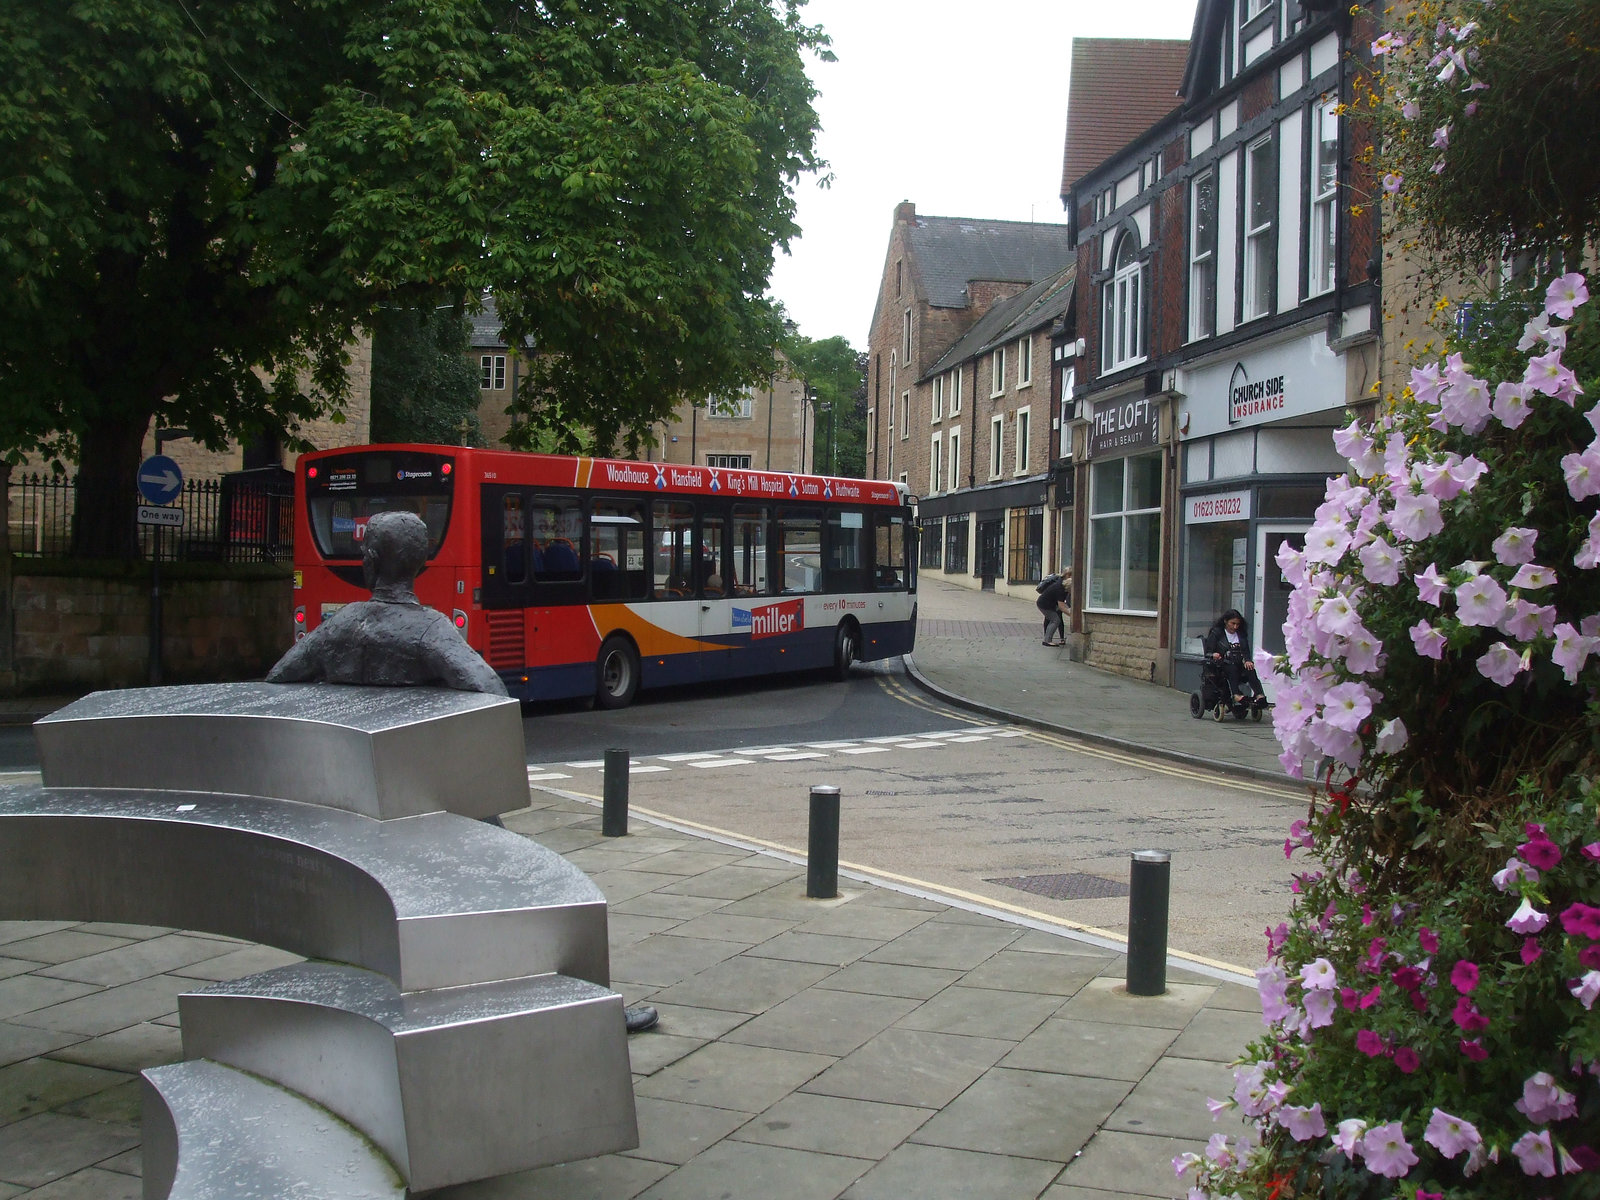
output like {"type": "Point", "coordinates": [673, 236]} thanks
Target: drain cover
{"type": "Point", "coordinates": [1075, 886]}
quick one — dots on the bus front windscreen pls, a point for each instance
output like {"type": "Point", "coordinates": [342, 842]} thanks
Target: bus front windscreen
{"type": "Point", "coordinates": [345, 492]}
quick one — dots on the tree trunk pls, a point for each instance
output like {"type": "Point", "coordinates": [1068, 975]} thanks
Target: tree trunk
{"type": "Point", "coordinates": [103, 523]}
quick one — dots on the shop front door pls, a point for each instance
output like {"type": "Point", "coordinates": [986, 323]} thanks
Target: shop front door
{"type": "Point", "coordinates": [991, 535]}
{"type": "Point", "coordinates": [1272, 590]}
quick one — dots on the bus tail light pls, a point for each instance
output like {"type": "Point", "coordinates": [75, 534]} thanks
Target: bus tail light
{"type": "Point", "coordinates": [460, 620]}
{"type": "Point", "coordinates": [299, 621]}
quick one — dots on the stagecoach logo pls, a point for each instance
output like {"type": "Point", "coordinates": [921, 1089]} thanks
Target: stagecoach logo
{"type": "Point", "coordinates": [772, 620]}
{"type": "Point", "coordinates": [716, 486]}
{"type": "Point", "coordinates": [794, 486]}
{"type": "Point", "coordinates": [1252, 399]}
{"type": "Point", "coordinates": [661, 479]}
{"type": "Point", "coordinates": [403, 474]}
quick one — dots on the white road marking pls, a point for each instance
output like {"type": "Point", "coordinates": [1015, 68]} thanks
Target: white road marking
{"type": "Point", "coordinates": [546, 775]}
{"type": "Point", "coordinates": [724, 762]}
{"type": "Point", "coordinates": [868, 750]}
{"type": "Point", "coordinates": [646, 770]}
{"type": "Point", "coordinates": [797, 755]}
{"type": "Point", "coordinates": [678, 758]}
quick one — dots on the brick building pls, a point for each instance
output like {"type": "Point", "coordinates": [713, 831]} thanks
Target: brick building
{"type": "Point", "coordinates": [767, 428]}
{"type": "Point", "coordinates": [1227, 307]}
{"type": "Point", "coordinates": [960, 386]}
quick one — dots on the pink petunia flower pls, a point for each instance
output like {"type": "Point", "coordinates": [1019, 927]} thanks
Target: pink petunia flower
{"type": "Point", "coordinates": [1392, 182]}
{"type": "Point", "coordinates": [1450, 1135]}
{"type": "Point", "coordinates": [1319, 1008]}
{"type": "Point", "coordinates": [1564, 295]}
{"type": "Point", "coordinates": [1347, 1136]}
{"type": "Point", "coordinates": [1500, 663]}
{"type": "Point", "coordinates": [1515, 546]}
{"type": "Point", "coordinates": [1586, 989]}
{"type": "Point", "coordinates": [1480, 601]}
{"type": "Point", "coordinates": [1428, 641]}
{"type": "Point", "coordinates": [1591, 852]}
{"type": "Point", "coordinates": [1346, 705]}
{"type": "Point", "coordinates": [1417, 518]}
{"type": "Point", "coordinates": [1582, 472]}
{"type": "Point", "coordinates": [1535, 1154]}
{"type": "Point", "coordinates": [1511, 405]}
{"type": "Point", "coordinates": [1571, 651]}
{"type": "Point", "coordinates": [1386, 1151]}
{"type": "Point", "coordinates": [1318, 975]}
{"type": "Point", "coordinates": [1543, 1100]}
{"type": "Point", "coordinates": [1303, 1124]}
{"type": "Point", "coordinates": [1525, 620]}
{"type": "Point", "coordinates": [1430, 584]}
{"type": "Point", "coordinates": [1515, 870]}
{"type": "Point", "coordinates": [1392, 737]}
{"type": "Point", "coordinates": [1381, 562]}
{"type": "Point", "coordinates": [1527, 919]}
{"type": "Point", "coordinates": [1531, 577]}
{"type": "Point", "coordinates": [1548, 375]}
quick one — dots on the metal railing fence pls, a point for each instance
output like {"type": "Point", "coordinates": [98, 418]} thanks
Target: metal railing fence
{"type": "Point", "coordinates": [232, 519]}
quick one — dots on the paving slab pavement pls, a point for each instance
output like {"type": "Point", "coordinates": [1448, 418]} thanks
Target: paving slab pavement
{"type": "Point", "coordinates": [883, 1044]}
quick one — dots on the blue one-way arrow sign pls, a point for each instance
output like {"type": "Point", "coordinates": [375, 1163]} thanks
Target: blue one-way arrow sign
{"type": "Point", "coordinates": [159, 479]}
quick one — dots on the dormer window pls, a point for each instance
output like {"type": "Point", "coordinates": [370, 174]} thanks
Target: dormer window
{"type": "Point", "coordinates": [1122, 326]}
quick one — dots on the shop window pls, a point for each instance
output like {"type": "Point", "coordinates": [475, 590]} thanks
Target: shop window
{"type": "Point", "coordinates": [1261, 212]}
{"type": "Point", "coordinates": [1214, 580]}
{"type": "Point", "coordinates": [957, 536]}
{"type": "Point", "coordinates": [1025, 546]}
{"type": "Point", "coordinates": [1203, 255]}
{"type": "Point", "coordinates": [932, 540]}
{"type": "Point", "coordinates": [1125, 534]}
{"type": "Point", "coordinates": [1324, 195]}
{"type": "Point", "coordinates": [1122, 324]}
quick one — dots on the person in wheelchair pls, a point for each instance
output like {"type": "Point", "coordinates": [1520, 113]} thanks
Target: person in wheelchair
{"type": "Point", "coordinates": [1230, 666]}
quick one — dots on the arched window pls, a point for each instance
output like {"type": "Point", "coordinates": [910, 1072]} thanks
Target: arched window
{"type": "Point", "coordinates": [1122, 326]}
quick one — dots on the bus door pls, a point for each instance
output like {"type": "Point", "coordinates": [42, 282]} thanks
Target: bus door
{"type": "Point", "coordinates": [533, 578]}
{"type": "Point", "coordinates": [675, 581]}
{"type": "Point", "coordinates": [714, 582]}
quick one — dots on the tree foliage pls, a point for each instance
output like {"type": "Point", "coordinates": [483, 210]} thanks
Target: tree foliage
{"type": "Point", "coordinates": [200, 204]}
{"type": "Point", "coordinates": [835, 376]}
{"type": "Point", "coordinates": [424, 388]}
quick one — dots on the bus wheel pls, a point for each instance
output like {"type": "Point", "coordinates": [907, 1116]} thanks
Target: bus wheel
{"type": "Point", "coordinates": [616, 673]}
{"type": "Point", "coordinates": [846, 645]}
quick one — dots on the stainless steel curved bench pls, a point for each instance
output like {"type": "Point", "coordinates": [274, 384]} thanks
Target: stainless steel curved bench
{"type": "Point", "coordinates": [462, 1020]}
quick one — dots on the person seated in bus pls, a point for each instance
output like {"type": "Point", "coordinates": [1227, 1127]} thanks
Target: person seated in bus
{"type": "Point", "coordinates": [561, 560]}
{"type": "Point", "coordinates": [603, 577]}
{"type": "Point", "coordinates": [391, 640]}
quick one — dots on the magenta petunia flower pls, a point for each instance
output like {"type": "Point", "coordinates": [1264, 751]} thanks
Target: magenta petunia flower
{"type": "Point", "coordinates": [1467, 1016]}
{"type": "Point", "coordinates": [1530, 951]}
{"type": "Point", "coordinates": [1428, 940]}
{"type": "Point", "coordinates": [1369, 1043]}
{"type": "Point", "coordinates": [1464, 976]}
{"type": "Point", "coordinates": [1592, 851]}
{"type": "Point", "coordinates": [1386, 1151]}
{"type": "Point", "coordinates": [1581, 920]}
{"type": "Point", "coordinates": [1450, 1135]}
{"type": "Point", "coordinates": [1472, 1048]}
{"type": "Point", "coordinates": [1541, 853]}
{"type": "Point", "coordinates": [1407, 1059]}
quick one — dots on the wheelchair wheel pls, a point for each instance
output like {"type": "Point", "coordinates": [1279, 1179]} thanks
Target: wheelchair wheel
{"type": "Point", "coordinates": [1219, 711]}
{"type": "Point", "coordinates": [1195, 710]}
{"type": "Point", "coordinates": [1255, 712]}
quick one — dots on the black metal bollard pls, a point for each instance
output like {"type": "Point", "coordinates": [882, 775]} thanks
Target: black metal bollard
{"type": "Point", "coordinates": [822, 850]}
{"type": "Point", "coordinates": [1149, 889]}
{"type": "Point", "coordinates": [614, 812]}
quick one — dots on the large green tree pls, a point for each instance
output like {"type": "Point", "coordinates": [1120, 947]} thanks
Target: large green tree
{"type": "Point", "coordinates": [424, 388]}
{"type": "Point", "coordinates": [835, 376]}
{"type": "Point", "coordinates": [202, 202]}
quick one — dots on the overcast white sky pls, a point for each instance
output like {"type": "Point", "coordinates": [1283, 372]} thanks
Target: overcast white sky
{"type": "Point", "coordinates": [959, 106]}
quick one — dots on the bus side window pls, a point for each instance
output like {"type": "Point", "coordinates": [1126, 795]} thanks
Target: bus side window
{"type": "Point", "coordinates": [672, 539]}
{"type": "Point", "coordinates": [800, 549]}
{"type": "Point", "coordinates": [513, 540]}
{"type": "Point", "coordinates": [849, 552]}
{"type": "Point", "coordinates": [616, 550]}
{"type": "Point", "coordinates": [711, 570]}
{"type": "Point", "coordinates": [889, 554]}
{"type": "Point", "coordinates": [555, 527]}
{"type": "Point", "coordinates": [750, 542]}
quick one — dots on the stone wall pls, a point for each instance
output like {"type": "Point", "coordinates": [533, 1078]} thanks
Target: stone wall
{"type": "Point", "coordinates": [1126, 645]}
{"type": "Point", "coordinates": [78, 630]}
